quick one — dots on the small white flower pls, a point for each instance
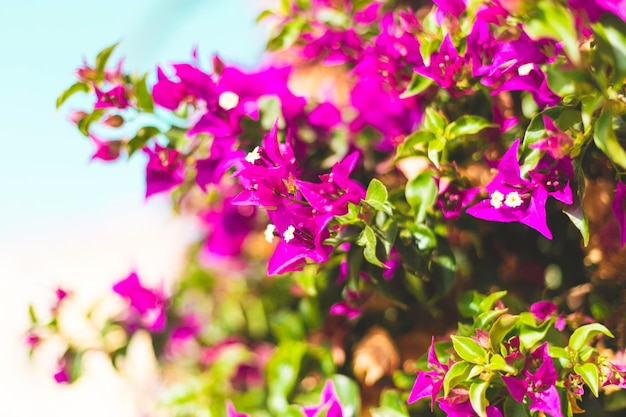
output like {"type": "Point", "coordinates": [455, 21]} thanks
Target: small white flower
{"type": "Point", "coordinates": [228, 100]}
{"type": "Point", "coordinates": [496, 199]}
{"type": "Point", "coordinates": [253, 156]}
{"type": "Point", "coordinates": [289, 233]}
{"type": "Point", "coordinates": [269, 233]}
{"type": "Point", "coordinates": [513, 199]}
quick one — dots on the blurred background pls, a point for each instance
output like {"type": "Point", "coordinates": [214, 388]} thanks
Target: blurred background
{"type": "Point", "coordinates": [80, 225]}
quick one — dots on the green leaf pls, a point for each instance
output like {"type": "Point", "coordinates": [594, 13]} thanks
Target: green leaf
{"type": "Point", "coordinates": [589, 104]}
{"type": "Point", "coordinates": [535, 132]}
{"type": "Point", "coordinates": [392, 399]}
{"type": "Point", "coordinates": [605, 139]}
{"type": "Point", "coordinates": [478, 398]}
{"type": "Point", "coordinates": [434, 121]}
{"type": "Point", "coordinates": [569, 82]}
{"type": "Point", "coordinates": [85, 122]}
{"type": "Point", "coordinates": [349, 394]}
{"type": "Point", "coordinates": [75, 88]}
{"type": "Point", "coordinates": [469, 350]}
{"type": "Point", "coordinates": [376, 192]}
{"type": "Point", "coordinates": [282, 372]}
{"type": "Point", "coordinates": [351, 217]}
{"type": "Point", "coordinates": [386, 412]}
{"type": "Point", "coordinates": [32, 314]}
{"type": "Point", "coordinates": [418, 84]}
{"type": "Point", "coordinates": [144, 98]}
{"type": "Point", "coordinates": [584, 334]}
{"type": "Point", "coordinates": [468, 303]}
{"type": "Point", "coordinates": [287, 325]}
{"type": "Point", "coordinates": [578, 218]}
{"type": "Point", "coordinates": [497, 363]}
{"type": "Point", "coordinates": [102, 59]}
{"type": "Point", "coordinates": [475, 371]}
{"type": "Point", "coordinates": [332, 17]}
{"type": "Point", "coordinates": [590, 374]}
{"type": "Point", "coordinates": [530, 336]}
{"type": "Point", "coordinates": [141, 138]}
{"type": "Point", "coordinates": [490, 300]}
{"type": "Point", "coordinates": [288, 35]}
{"type": "Point", "coordinates": [424, 237]}
{"type": "Point", "coordinates": [263, 15]}
{"type": "Point", "coordinates": [292, 411]}
{"type": "Point", "coordinates": [501, 327]}
{"type": "Point", "coordinates": [514, 409]}
{"type": "Point", "coordinates": [388, 236]}
{"type": "Point", "coordinates": [407, 148]}
{"type": "Point", "coordinates": [367, 239]}
{"type": "Point", "coordinates": [466, 125]}
{"type": "Point", "coordinates": [610, 38]}
{"type": "Point", "coordinates": [552, 21]}
{"type": "Point", "coordinates": [557, 352]}
{"type": "Point", "coordinates": [421, 194]}
{"type": "Point", "coordinates": [456, 374]}
{"type": "Point", "coordinates": [484, 319]}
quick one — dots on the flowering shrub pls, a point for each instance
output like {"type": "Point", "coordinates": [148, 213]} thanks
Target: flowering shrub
{"type": "Point", "coordinates": [388, 163]}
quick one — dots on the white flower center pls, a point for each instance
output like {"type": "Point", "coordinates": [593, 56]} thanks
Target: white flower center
{"type": "Point", "coordinates": [253, 156]}
{"type": "Point", "coordinates": [228, 100]}
{"type": "Point", "coordinates": [513, 199]}
{"type": "Point", "coordinates": [496, 199]}
{"type": "Point", "coordinates": [289, 233]}
{"type": "Point", "coordinates": [269, 233]}
{"type": "Point", "coordinates": [525, 69]}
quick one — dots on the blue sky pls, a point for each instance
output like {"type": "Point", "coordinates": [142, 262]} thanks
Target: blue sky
{"type": "Point", "coordinates": [45, 174]}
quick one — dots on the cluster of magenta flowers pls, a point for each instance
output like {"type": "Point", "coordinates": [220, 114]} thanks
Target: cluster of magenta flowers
{"type": "Point", "coordinates": [488, 372]}
{"type": "Point", "coordinates": [360, 178]}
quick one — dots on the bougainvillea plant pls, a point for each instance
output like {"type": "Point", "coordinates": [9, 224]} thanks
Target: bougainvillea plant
{"type": "Point", "coordinates": [410, 207]}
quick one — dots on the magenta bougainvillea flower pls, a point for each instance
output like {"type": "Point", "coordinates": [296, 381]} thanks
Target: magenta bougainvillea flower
{"type": "Point", "coordinates": [543, 310]}
{"type": "Point", "coordinates": [451, 7]}
{"type": "Point", "coordinates": [351, 307]}
{"type": "Point", "coordinates": [619, 210]}
{"type": "Point", "coordinates": [557, 144]}
{"type": "Point", "coordinates": [268, 173]}
{"type": "Point", "coordinates": [532, 79]}
{"type": "Point", "coordinates": [512, 198]}
{"type": "Point", "coordinates": [222, 157]}
{"type": "Point", "coordinates": [115, 97]}
{"type": "Point", "coordinates": [329, 405]}
{"type": "Point", "coordinates": [146, 306]}
{"type": "Point", "coordinates": [383, 109]}
{"type": "Point", "coordinates": [302, 234]}
{"type": "Point", "coordinates": [164, 170]}
{"type": "Point", "coordinates": [106, 150]}
{"type": "Point", "coordinates": [193, 86]}
{"type": "Point", "coordinates": [452, 199]}
{"type": "Point", "coordinates": [516, 199]}
{"type": "Point", "coordinates": [555, 176]}
{"type": "Point", "coordinates": [231, 412]}
{"type": "Point", "coordinates": [596, 8]}
{"type": "Point", "coordinates": [183, 333]}
{"type": "Point", "coordinates": [539, 386]}
{"type": "Point", "coordinates": [333, 47]}
{"type": "Point", "coordinates": [336, 189]}
{"type": "Point", "coordinates": [429, 383]}
{"type": "Point", "coordinates": [324, 116]}
{"type": "Point", "coordinates": [62, 373]}
{"type": "Point", "coordinates": [445, 66]}
{"type": "Point", "coordinates": [227, 228]}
